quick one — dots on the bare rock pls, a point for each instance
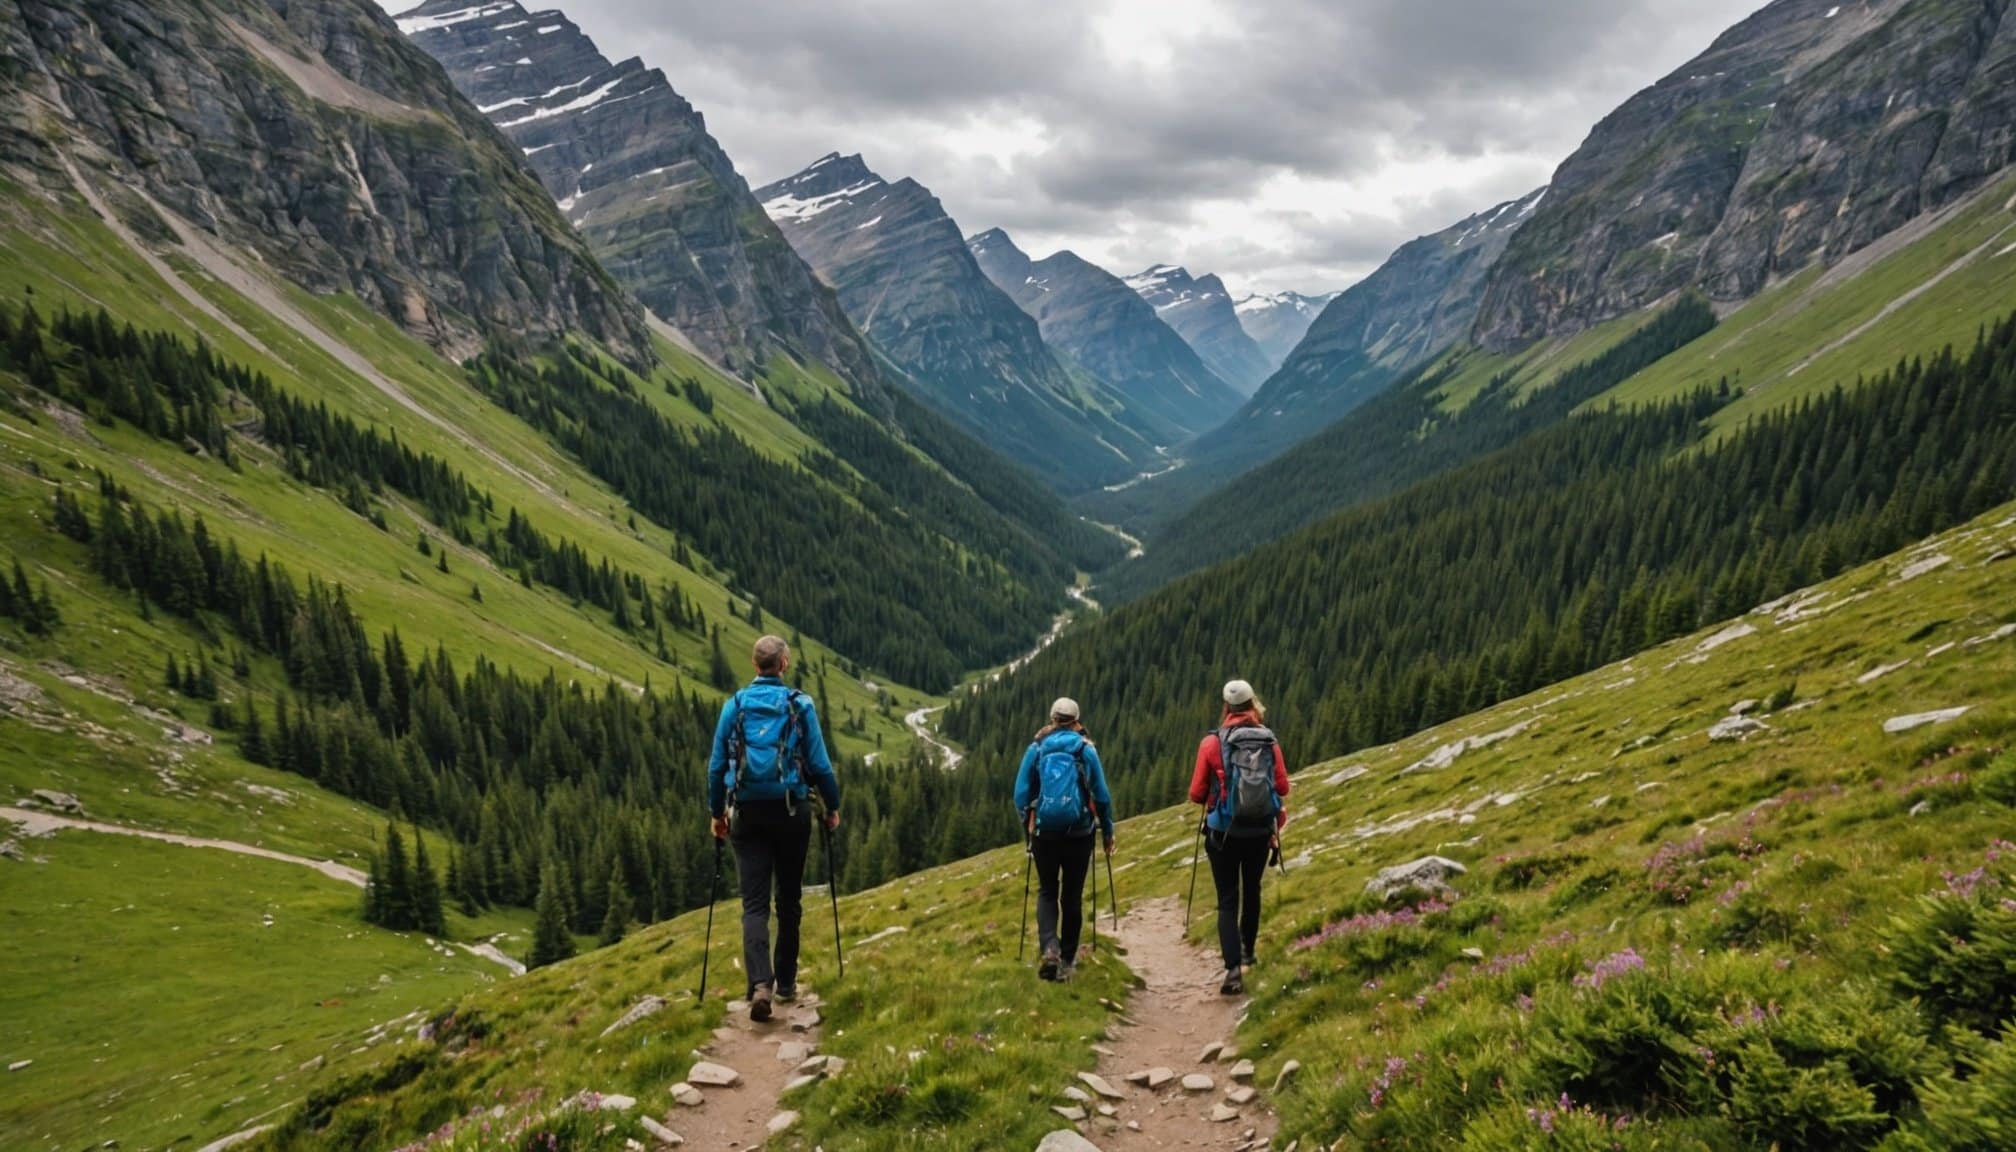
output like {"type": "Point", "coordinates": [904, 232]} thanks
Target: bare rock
{"type": "Point", "coordinates": [1198, 1082]}
{"type": "Point", "coordinates": [665, 1136]}
{"type": "Point", "coordinates": [648, 1006]}
{"type": "Point", "coordinates": [1140, 1077]}
{"type": "Point", "coordinates": [1287, 1074]}
{"type": "Point", "coordinates": [793, 1051]}
{"type": "Point", "coordinates": [1099, 1085]}
{"type": "Point", "coordinates": [616, 1103]}
{"type": "Point", "coordinates": [1242, 1095]}
{"type": "Point", "coordinates": [1066, 1140]}
{"type": "Point", "coordinates": [18, 1065]}
{"type": "Point", "coordinates": [711, 1075]}
{"type": "Point", "coordinates": [1210, 1052]}
{"type": "Point", "coordinates": [58, 801]}
{"type": "Point", "coordinates": [1898, 724]}
{"type": "Point", "coordinates": [1430, 873]}
{"type": "Point", "coordinates": [687, 1096]}
{"type": "Point", "coordinates": [1077, 1095]}
{"type": "Point", "coordinates": [782, 1122]}
{"type": "Point", "coordinates": [1242, 1071]}
{"type": "Point", "coordinates": [1071, 1112]}
{"type": "Point", "coordinates": [1736, 728]}
{"type": "Point", "coordinates": [805, 1020]}
{"type": "Point", "coordinates": [1157, 1077]}
{"type": "Point", "coordinates": [1223, 1113]}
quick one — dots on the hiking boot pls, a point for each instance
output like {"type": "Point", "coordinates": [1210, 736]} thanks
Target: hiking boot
{"type": "Point", "coordinates": [787, 994]}
{"type": "Point", "coordinates": [1234, 985]}
{"type": "Point", "coordinates": [1247, 961]}
{"type": "Point", "coordinates": [1051, 962]}
{"type": "Point", "coordinates": [1066, 971]}
{"type": "Point", "coordinates": [759, 1003]}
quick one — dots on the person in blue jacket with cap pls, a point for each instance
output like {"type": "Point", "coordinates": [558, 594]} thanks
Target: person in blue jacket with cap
{"type": "Point", "coordinates": [1061, 797]}
{"type": "Point", "coordinates": [768, 754]}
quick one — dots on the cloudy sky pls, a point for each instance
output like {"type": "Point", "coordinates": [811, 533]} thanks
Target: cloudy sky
{"type": "Point", "coordinates": [1280, 143]}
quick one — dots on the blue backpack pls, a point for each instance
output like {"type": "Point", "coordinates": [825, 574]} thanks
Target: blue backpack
{"type": "Point", "coordinates": [766, 746]}
{"type": "Point", "coordinates": [1063, 791]}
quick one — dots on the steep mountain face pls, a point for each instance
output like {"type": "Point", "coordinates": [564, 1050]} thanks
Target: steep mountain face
{"type": "Point", "coordinates": [1802, 135]}
{"type": "Point", "coordinates": [656, 197]}
{"type": "Point", "coordinates": [1277, 321]}
{"type": "Point", "coordinates": [906, 279]}
{"type": "Point", "coordinates": [1423, 299]}
{"type": "Point", "coordinates": [1201, 311]}
{"type": "Point", "coordinates": [310, 133]}
{"type": "Point", "coordinates": [1090, 315]}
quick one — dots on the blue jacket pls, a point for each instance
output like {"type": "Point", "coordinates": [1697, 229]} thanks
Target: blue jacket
{"type": "Point", "coordinates": [1026, 782]}
{"type": "Point", "coordinates": [818, 765]}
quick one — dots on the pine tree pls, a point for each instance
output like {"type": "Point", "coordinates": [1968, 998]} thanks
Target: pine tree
{"type": "Point", "coordinates": [374, 892]}
{"type": "Point", "coordinates": [616, 922]}
{"type": "Point", "coordinates": [551, 942]}
{"type": "Point", "coordinates": [441, 563]}
{"type": "Point", "coordinates": [395, 901]}
{"type": "Point", "coordinates": [718, 671]}
{"type": "Point", "coordinates": [174, 674]}
{"type": "Point", "coordinates": [252, 736]}
{"type": "Point", "coordinates": [427, 915]}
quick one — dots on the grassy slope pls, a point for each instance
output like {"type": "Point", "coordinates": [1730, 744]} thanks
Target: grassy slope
{"type": "Point", "coordinates": [952, 1045]}
{"type": "Point", "coordinates": [1783, 345]}
{"type": "Point", "coordinates": [91, 680]}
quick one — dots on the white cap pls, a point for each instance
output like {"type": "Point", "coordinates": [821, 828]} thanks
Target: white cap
{"type": "Point", "coordinates": [1238, 693]}
{"type": "Point", "coordinates": [1065, 707]}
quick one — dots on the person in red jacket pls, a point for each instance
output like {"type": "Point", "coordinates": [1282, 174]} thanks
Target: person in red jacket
{"type": "Point", "coordinates": [1242, 820]}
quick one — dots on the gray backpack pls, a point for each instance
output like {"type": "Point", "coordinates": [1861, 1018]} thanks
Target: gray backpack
{"type": "Point", "coordinates": [1248, 804]}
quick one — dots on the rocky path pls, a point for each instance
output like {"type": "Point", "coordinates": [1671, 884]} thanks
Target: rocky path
{"type": "Point", "coordinates": [762, 1065]}
{"type": "Point", "coordinates": [44, 823]}
{"type": "Point", "coordinates": [1173, 1079]}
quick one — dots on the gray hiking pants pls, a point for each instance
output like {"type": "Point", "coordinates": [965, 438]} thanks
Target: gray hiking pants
{"type": "Point", "coordinates": [770, 850]}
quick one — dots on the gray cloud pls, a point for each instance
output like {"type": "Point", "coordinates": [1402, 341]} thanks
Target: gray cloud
{"type": "Point", "coordinates": [1495, 92]}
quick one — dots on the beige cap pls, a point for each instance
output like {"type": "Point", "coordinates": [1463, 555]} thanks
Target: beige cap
{"type": "Point", "coordinates": [1065, 707]}
{"type": "Point", "coordinates": [1238, 693]}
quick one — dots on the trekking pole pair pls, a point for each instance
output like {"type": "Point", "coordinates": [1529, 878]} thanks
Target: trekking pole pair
{"type": "Point", "coordinates": [1028, 866]}
{"type": "Point", "coordinates": [832, 889]}
{"type": "Point", "coordinates": [1190, 903]}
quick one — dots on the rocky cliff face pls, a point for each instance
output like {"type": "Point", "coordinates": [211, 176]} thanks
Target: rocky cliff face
{"type": "Point", "coordinates": [1803, 134]}
{"type": "Point", "coordinates": [906, 279]}
{"type": "Point", "coordinates": [633, 167]}
{"type": "Point", "coordinates": [309, 133]}
{"type": "Point", "coordinates": [1277, 321]}
{"type": "Point", "coordinates": [1201, 311]}
{"type": "Point", "coordinates": [1423, 299]}
{"type": "Point", "coordinates": [1093, 317]}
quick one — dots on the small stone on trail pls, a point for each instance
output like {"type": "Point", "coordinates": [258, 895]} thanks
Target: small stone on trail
{"type": "Point", "coordinates": [1241, 1095]}
{"type": "Point", "coordinates": [1198, 1082]}
{"type": "Point", "coordinates": [1065, 1140]}
{"type": "Point", "coordinates": [687, 1096]}
{"type": "Point", "coordinates": [797, 1082]}
{"type": "Point", "coordinates": [1242, 1071]}
{"type": "Point", "coordinates": [812, 1066]}
{"type": "Point", "coordinates": [1286, 1074]}
{"type": "Point", "coordinates": [1069, 1112]}
{"type": "Point", "coordinates": [1210, 1052]}
{"type": "Point", "coordinates": [806, 1020]}
{"type": "Point", "coordinates": [1140, 1077]}
{"type": "Point", "coordinates": [1102, 1050]}
{"type": "Point", "coordinates": [713, 1075]}
{"type": "Point", "coordinates": [665, 1136]}
{"type": "Point", "coordinates": [793, 1051]}
{"type": "Point", "coordinates": [781, 1122]}
{"type": "Point", "coordinates": [1077, 1094]}
{"type": "Point", "coordinates": [1098, 1084]}
{"type": "Point", "coordinates": [1221, 1113]}
{"type": "Point", "coordinates": [1228, 1054]}
{"type": "Point", "coordinates": [1157, 1077]}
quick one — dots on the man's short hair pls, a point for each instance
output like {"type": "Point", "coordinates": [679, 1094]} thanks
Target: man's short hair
{"type": "Point", "coordinates": [770, 653]}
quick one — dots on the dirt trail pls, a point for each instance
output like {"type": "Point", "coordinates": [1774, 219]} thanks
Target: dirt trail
{"type": "Point", "coordinates": [1174, 1017]}
{"type": "Point", "coordinates": [44, 824]}
{"type": "Point", "coordinates": [739, 1116]}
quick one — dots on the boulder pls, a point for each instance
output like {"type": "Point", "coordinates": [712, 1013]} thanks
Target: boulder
{"type": "Point", "coordinates": [711, 1075]}
{"type": "Point", "coordinates": [1065, 1140]}
{"type": "Point", "coordinates": [1898, 724]}
{"type": "Point", "coordinates": [1731, 728]}
{"type": "Point", "coordinates": [58, 801]}
{"type": "Point", "coordinates": [1430, 873]}
{"type": "Point", "coordinates": [648, 1006]}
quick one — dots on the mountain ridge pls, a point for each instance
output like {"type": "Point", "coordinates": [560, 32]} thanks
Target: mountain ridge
{"type": "Point", "coordinates": [1200, 310]}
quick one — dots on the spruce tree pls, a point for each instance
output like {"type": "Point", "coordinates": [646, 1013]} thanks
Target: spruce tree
{"type": "Point", "coordinates": [551, 942]}
{"type": "Point", "coordinates": [616, 922]}
{"type": "Point", "coordinates": [427, 915]}
{"type": "Point", "coordinates": [718, 670]}
{"type": "Point", "coordinates": [395, 903]}
{"type": "Point", "coordinates": [252, 736]}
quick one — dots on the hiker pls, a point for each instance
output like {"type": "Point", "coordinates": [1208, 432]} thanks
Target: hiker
{"type": "Point", "coordinates": [1243, 818]}
{"type": "Point", "coordinates": [766, 746]}
{"type": "Point", "coordinates": [1061, 797]}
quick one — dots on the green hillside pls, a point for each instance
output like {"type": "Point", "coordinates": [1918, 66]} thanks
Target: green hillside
{"type": "Point", "coordinates": [1736, 941]}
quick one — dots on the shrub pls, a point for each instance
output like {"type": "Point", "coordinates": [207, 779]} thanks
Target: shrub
{"type": "Point", "coordinates": [1520, 873]}
{"type": "Point", "coordinates": [1746, 918]}
{"type": "Point", "coordinates": [1973, 1110]}
{"type": "Point", "coordinates": [1998, 783]}
{"type": "Point", "coordinates": [1956, 952]}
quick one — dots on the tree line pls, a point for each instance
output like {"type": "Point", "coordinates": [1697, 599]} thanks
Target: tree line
{"type": "Point", "coordinates": [1577, 546]}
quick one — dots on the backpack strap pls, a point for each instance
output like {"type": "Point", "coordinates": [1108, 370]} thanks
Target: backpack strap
{"type": "Point", "coordinates": [738, 747]}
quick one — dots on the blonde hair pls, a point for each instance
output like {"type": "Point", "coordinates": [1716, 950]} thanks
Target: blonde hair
{"type": "Point", "coordinates": [769, 654]}
{"type": "Point", "coordinates": [1255, 706]}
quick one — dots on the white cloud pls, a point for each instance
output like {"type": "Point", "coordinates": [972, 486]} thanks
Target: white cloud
{"type": "Point", "coordinates": [1280, 143]}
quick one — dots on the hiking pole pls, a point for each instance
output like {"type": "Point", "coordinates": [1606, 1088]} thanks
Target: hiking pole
{"type": "Point", "coordinates": [1190, 904]}
{"type": "Point", "coordinates": [713, 894]}
{"type": "Point", "coordinates": [1112, 893]}
{"type": "Point", "coordinates": [1028, 864]}
{"type": "Point", "coordinates": [1095, 902]}
{"type": "Point", "coordinates": [833, 890]}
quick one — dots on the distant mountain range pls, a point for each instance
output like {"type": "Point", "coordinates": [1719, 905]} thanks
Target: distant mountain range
{"type": "Point", "coordinates": [1277, 321]}
{"type": "Point", "coordinates": [1201, 311]}
{"type": "Point", "coordinates": [1090, 315]}
{"type": "Point", "coordinates": [904, 275]}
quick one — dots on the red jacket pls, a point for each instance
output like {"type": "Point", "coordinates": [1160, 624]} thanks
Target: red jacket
{"type": "Point", "coordinates": [1209, 778]}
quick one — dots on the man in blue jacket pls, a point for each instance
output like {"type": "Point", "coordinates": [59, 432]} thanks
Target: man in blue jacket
{"type": "Point", "coordinates": [766, 746]}
{"type": "Point", "coordinates": [1061, 796]}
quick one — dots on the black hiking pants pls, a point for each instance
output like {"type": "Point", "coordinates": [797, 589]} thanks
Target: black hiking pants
{"type": "Point", "coordinates": [770, 846]}
{"type": "Point", "coordinates": [1061, 864]}
{"type": "Point", "coordinates": [1237, 864]}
